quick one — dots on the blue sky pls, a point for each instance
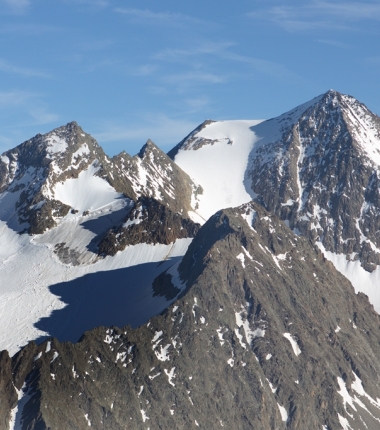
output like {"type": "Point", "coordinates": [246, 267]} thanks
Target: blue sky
{"type": "Point", "coordinates": [127, 71]}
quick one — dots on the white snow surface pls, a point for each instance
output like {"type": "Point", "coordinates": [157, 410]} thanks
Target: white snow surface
{"type": "Point", "coordinates": [221, 165]}
{"type": "Point", "coordinates": [219, 168]}
{"type": "Point", "coordinates": [40, 296]}
{"type": "Point", "coordinates": [283, 412]}
{"type": "Point", "coordinates": [363, 281]}
{"type": "Point", "coordinates": [55, 145]}
{"type": "Point", "coordinates": [16, 422]}
{"type": "Point", "coordinates": [87, 192]}
{"type": "Point", "coordinates": [296, 349]}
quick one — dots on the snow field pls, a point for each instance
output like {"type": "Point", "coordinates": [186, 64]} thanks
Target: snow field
{"type": "Point", "coordinates": [87, 192]}
{"type": "Point", "coordinates": [27, 290]}
{"type": "Point", "coordinates": [219, 168]}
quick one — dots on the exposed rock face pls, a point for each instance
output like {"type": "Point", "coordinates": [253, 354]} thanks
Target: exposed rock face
{"type": "Point", "coordinates": [153, 174]}
{"type": "Point", "coordinates": [148, 222]}
{"type": "Point", "coordinates": [8, 395]}
{"type": "Point", "coordinates": [316, 166]}
{"type": "Point", "coordinates": [188, 141]}
{"type": "Point", "coordinates": [30, 172]}
{"type": "Point", "coordinates": [267, 335]}
{"type": "Point", "coordinates": [321, 174]}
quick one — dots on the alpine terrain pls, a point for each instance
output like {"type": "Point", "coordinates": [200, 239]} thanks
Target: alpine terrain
{"type": "Point", "coordinates": [233, 282]}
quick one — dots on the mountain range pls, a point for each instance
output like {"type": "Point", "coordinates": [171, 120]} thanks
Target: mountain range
{"type": "Point", "coordinates": [232, 282]}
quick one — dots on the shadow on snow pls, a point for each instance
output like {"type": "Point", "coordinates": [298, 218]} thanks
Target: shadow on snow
{"type": "Point", "coordinates": [116, 297]}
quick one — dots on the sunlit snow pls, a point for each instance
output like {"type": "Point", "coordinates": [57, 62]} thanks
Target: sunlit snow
{"type": "Point", "coordinates": [49, 298]}
{"type": "Point", "coordinates": [295, 347]}
{"type": "Point", "coordinates": [87, 192]}
{"type": "Point", "coordinates": [363, 281]}
{"type": "Point", "coordinates": [219, 167]}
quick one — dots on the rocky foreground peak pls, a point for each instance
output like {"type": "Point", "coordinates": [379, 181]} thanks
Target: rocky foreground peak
{"type": "Point", "coordinates": [267, 334]}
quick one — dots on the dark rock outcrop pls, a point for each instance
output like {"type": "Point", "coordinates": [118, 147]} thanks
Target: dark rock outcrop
{"type": "Point", "coordinates": [148, 222]}
{"type": "Point", "coordinates": [190, 138]}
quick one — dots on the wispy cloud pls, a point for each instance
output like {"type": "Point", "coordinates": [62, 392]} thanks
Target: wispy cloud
{"type": "Point", "coordinates": [22, 114]}
{"type": "Point", "coordinates": [103, 64]}
{"type": "Point", "coordinates": [189, 78]}
{"type": "Point", "coordinates": [269, 68]}
{"type": "Point", "coordinates": [220, 52]}
{"type": "Point", "coordinates": [40, 115]}
{"type": "Point", "coordinates": [352, 11]}
{"type": "Point", "coordinates": [17, 6]}
{"type": "Point", "coordinates": [207, 48]}
{"type": "Point", "coordinates": [318, 14]}
{"type": "Point", "coordinates": [28, 29]}
{"type": "Point", "coordinates": [335, 43]}
{"type": "Point", "coordinates": [160, 18]}
{"type": "Point", "coordinates": [94, 4]}
{"type": "Point", "coordinates": [29, 105]}
{"type": "Point", "coordinates": [198, 103]}
{"type": "Point", "coordinates": [144, 70]}
{"type": "Point", "coordinates": [7, 67]}
{"type": "Point", "coordinates": [14, 98]}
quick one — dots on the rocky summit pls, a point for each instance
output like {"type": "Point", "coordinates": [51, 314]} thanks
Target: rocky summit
{"type": "Point", "coordinates": [232, 282]}
{"type": "Point", "coordinates": [31, 175]}
{"type": "Point", "coordinates": [323, 169]}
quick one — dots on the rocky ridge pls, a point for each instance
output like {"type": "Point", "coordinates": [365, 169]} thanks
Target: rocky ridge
{"type": "Point", "coordinates": [154, 174]}
{"type": "Point", "coordinates": [29, 175]}
{"type": "Point", "coordinates": [323, 176]}
{"type": "Point", "coordinates": [317, 168]}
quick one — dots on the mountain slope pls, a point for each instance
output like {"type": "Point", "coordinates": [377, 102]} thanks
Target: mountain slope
{"type": "Point", "coordinates": [267, 335]}
{"type": "Point", "coordinates": [70, 197]}
{"type": "Point", "coordinates": [66, 170]}
{"type": "Point", "coordinates": [316, 167]}
{"type": "Point", "coordinates": [323, 173]}
{"type": "Point", "coordinates": [215, 156]}
{"type": "Point", "coordinates": [247, 325]}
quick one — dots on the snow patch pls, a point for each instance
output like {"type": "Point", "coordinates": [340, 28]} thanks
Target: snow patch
{"type": "Point", "coordinates": [87, 192]}
{"type": "Point", "coordinates": [363, 281]}
{"type": "Point", "coordinates": [144, 415]}
{"type": "Point", "coordinates": [283, 412]}
{"type": "Point", "coordinates": [87, 419]}
{"type": "Point", "coordinates": [241, 258]}
{"type": "Point", "coordinates": [163, 354]}
{"type": "Point", "coordinates": [170, 376]}
{"type": "Point", "coordinates": [55, 145]}
{"type": "Point", "coordinates": [296, 349]}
